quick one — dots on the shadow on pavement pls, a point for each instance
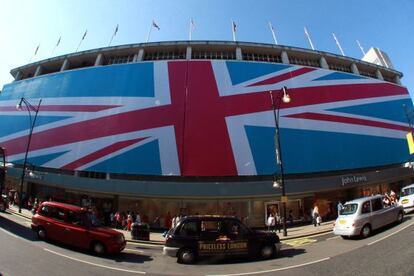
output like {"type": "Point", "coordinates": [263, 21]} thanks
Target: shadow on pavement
{"type": "Point", "coordinates": [291, 252]}
{"type": "Point", "coordinates": [16, 228]}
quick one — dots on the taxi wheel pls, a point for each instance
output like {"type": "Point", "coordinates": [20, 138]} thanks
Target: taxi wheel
{"type": "Point", "coordinates": [41, 233]}
{"type": "Point", "coordinates": [400, 217]}
{"type": "Point", "coordinates": [186, 256]}
{"type": "Point", "coordinates": [366, 231]}
{"type": "Point", "coordinates": [267, 251]}
{"type": "Point", "coordinates": [98, 248]}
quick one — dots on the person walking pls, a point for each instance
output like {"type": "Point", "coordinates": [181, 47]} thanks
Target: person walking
{"type": "Point", "coordinates": [271, 222]}
{"type": "Point", "coordinates": [278, 222]}
{"type": "Point", "coordinates": [315, 215]}
{"type": "Point", "coordinates": [339, 207]}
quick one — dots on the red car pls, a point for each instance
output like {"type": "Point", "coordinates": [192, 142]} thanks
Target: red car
{"type": "Point", "coordinates": [76, 226]}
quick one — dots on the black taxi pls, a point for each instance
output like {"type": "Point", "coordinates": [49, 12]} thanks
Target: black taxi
{"type": "Point", "coordinates": [218, 236]}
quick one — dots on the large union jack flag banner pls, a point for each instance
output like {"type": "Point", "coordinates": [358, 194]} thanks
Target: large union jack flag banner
{"type": "Point", "coordinates": [205, 118]}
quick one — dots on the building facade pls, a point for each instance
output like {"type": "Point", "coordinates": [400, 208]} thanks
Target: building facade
{"type": "Point", "coordinates": [189, 127]}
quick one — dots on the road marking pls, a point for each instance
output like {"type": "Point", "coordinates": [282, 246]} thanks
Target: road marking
{"type": "Point", "coordinates": [133, 250]}
{"type": "Point", "coordinates": [98, 265]}
{"type": "Point", "coordinates": [272, 270]}
{"type": "Point", "coordinates": [383, 238]}
{"type": "Point", "coordinates": [333, 238]}
{"type": "Point", "coordinates": [299, 242]}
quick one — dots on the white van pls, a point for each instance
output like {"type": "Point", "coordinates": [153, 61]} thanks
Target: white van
{"type": "Point", "coordinates": [407, 198]}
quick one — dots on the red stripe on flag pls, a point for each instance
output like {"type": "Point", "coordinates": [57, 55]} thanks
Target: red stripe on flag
{"type": "Point", "coordinates": [283, 77]}
{"type": "Point", "coordinates": [347, 120]}
{"type": "Point", "coordinates": [100, 153]}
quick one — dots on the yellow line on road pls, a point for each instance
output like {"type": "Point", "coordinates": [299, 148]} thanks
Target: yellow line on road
{"type": "Point", "coordinates": [299, 242]}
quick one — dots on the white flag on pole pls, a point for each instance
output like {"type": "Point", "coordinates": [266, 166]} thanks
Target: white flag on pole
{"type": "Point", "coordinates": [155, 25]}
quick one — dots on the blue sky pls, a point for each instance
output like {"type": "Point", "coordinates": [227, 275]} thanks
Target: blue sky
{"type": "Point", "coordinates": [380, 23]}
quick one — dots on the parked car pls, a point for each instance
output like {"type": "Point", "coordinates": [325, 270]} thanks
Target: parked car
{"type": "Point", "coordinates": [361, 216]}
{"type": "Point", "coordinates": [407, 198]}
{"type": "Point", "coordinates": [219, 236]}
{"type": "Point", "coordinates": [76, 226]}
{"type": "Point", "coordinates": [4, 203]}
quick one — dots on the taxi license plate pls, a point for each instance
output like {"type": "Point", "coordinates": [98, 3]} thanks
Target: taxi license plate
{"type": "Point", "coordinates": [342, 221]}
{"type": "Point", "coordinates": [404, 201]}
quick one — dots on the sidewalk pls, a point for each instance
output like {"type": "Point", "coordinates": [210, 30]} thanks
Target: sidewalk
{"type": "Point", "coordinates": [158, 239]}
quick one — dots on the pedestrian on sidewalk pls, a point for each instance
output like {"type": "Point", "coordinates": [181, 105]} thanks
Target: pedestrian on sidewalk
{"type": "Point", "coordinates": [278, 222]}
{"type": "Point", "coordinates": [339, 207]}
{"type": "Point", "coordinates": [315, 215]}
{"type": "Point", "coordinates": [129, 221]}
{"type": "Point", "coordinates": [271, 222]}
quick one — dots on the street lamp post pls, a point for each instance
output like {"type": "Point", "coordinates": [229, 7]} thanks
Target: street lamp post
{"type": "Point", "coordinates": [281, 97]}
{"type": "Point", "coordinates": [29, 108]}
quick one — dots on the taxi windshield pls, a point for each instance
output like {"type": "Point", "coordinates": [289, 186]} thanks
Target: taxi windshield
{"type": "Point", "coordinates": [349, 209]}
{"type": "Point", "coordinates": [408, 191]}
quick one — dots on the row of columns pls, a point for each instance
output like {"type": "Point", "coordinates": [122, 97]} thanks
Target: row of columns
{"type": "Point", "coordinates": [239, 56]}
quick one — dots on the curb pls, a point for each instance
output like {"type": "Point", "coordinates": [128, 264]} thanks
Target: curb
{"type": "Point", "coordinates": [11, 211]}
{"type": "Point", "coordinates": [161, 243]}
{"type": "Point", "coordinates": [305, 235]}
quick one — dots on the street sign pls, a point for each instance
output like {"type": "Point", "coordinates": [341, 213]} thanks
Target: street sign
{"type": "Point", "coordinates": [284, 199]}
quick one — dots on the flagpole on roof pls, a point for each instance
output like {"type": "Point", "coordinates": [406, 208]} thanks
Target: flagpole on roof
{"type": "Point", "coordinates": [273, 32]}
{"type": "Point", "coordinates": [37, 48]}
{"type": "Point", "coordinates": [192, 26]}
{"type": "Point", "coordinates": [309, 39]}
{"type": "Point", "coordinates": [233, 29]}
{"type": "Point", "coordinates": [149, 33]}
{"type": "Point", "coordinates": [116, 30]}
{"type": "Point", "coordinates": [338, 44]}
{"type": "Point", "coordinates": [360, 47]}
{"type": "Point", "coordinates": [57, 44]}
{"type": "Point", "coordinates": [80, 42]}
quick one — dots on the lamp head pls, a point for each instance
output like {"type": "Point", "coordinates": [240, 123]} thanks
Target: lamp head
{"type": "Point", "coordinates": [285, 97]}
{"type": "Point", "coordinates": [276, 185]}
{"type": "Point", "coordinates": [19, 105]}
